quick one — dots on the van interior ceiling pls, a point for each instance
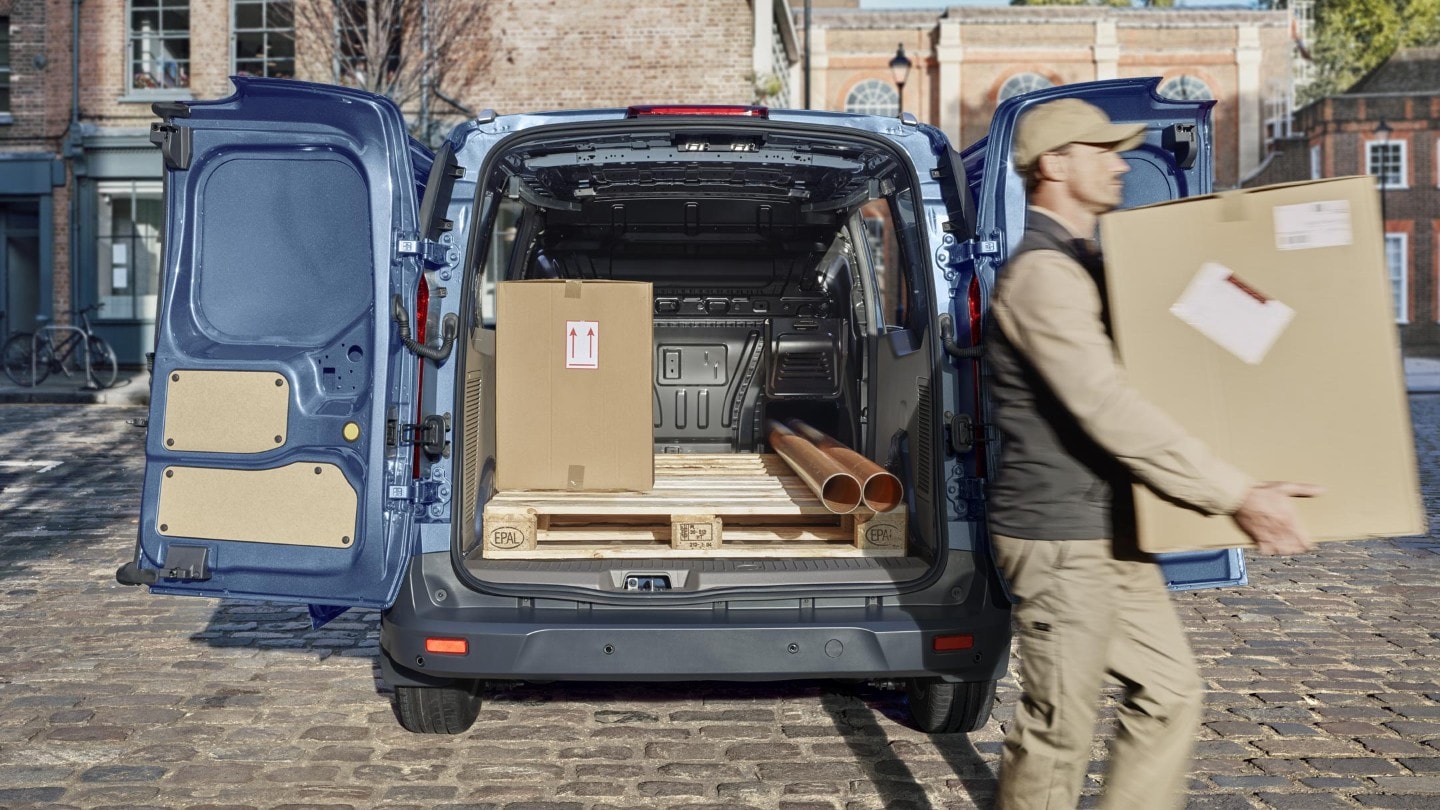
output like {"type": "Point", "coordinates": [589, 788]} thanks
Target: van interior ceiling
{"type": "Point", "coordinates": [779, 265]}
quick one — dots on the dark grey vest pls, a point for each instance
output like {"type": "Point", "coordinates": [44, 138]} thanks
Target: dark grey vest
{"type": "Point", "coordinates": [1054, 482]}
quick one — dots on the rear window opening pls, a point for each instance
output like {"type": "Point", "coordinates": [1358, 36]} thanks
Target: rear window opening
{"type": "Point", "coordinates": [789, 283]}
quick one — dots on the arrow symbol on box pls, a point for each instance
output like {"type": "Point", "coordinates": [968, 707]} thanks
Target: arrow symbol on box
{"type": "Point", "coordinates": [572, 342]}
{"type": "Point", "coordinates": [592, 342]}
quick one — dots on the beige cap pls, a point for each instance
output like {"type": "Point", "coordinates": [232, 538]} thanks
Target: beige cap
{"type": "Point", "coordinates": [1070, 120]}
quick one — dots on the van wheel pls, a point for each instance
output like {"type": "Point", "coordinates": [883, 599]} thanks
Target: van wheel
{"type": "Point", "coordinates": [438, 709]}
{"type": "Point", "coordinates": [941, 707]}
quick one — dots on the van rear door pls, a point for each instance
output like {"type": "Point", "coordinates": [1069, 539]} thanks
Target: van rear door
{"type": "Point", "coordinates": [291, 221]}
{"type": "Point", "coordinates": [1174, 162]}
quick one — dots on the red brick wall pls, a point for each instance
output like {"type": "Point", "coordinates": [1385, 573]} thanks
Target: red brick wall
{"type": "Point", "coordinates": [559, 54]}
{"type": "Point", "coordinates": [1341, 127]}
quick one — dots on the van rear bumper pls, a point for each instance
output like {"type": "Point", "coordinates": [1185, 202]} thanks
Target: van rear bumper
{"type": "Point", "coordinates": [594, 643]}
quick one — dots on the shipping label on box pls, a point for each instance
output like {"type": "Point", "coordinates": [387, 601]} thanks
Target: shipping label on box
{"type": "Point", "coordinates": [569, 417]}
{"type": "Point", "coordinates": [1261, 320]}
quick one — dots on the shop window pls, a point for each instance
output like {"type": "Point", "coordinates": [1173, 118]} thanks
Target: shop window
{"type": "Point", "coordinates": [264, 37]}
{"type": "Point", "coordinates": [159, 45]}
{"type": "Point", "coordinates": [873, 97]}
{"type": "Point", "coordinates": [1396, 259]}
{"type": "Point", "coordinates": [1186, 88]}
{"type": "Point", "coordinates": [1022, 83]}
{"type": "Point", "coordinates": [128, 250]}
{"type": "Point", "coordinates": [1386, 160]}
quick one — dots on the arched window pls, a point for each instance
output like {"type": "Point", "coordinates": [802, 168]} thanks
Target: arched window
{"type": "Point", "coordinates": [1186, 88]}
{"type": "Point", "coordinates": [873, 97]}
{"type": "Point", "coordinates": [1022, 83]}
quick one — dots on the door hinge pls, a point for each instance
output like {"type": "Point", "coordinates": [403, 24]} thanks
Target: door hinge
{"type": "Point", "coordinates": [176, 145]}
{"type": "Point", "coordinates": [433, 254]}
{"type": "Point", "coordinates": [429, 434]}
{"type": "Point", "coordinates": [964, 433]}
{"type": "Point", "coordinates": [975, 248]}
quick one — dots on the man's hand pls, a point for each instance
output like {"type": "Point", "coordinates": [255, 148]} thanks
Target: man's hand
{"type": "Point", "coordinates": [1269, 518]}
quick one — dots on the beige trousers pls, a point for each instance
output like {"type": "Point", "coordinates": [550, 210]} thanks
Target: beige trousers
{"type": "Point", "coordinates": [1083, 615]}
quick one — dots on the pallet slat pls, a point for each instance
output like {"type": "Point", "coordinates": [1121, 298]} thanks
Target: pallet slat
{"type": "Point", "coordinates": [701, 506]}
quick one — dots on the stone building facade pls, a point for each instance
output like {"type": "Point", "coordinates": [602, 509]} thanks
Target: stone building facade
{"type": "Point", "coordinates": [967, 59]}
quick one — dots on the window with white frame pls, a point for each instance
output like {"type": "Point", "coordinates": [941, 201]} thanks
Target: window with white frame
{"type": "Point", "coordinates": [1022, 83]}
{"type": "Point", "coordinates": [1317, 168]}
{"type": "Point", "coordinates": [873, 97]}
{"type": "Point", "coordinates": [264, 38]}
{"type": "Point", "coordinates": [127, 259]}
{"type": "Point", "coordinates": [159, 45]}
{"type": "Point", "coordinates": [4, 68]}
{"type": "Point", "coordinates": [1186, 88]}
{"type": "Point", "coordinates": [1386, 160]}
{"type": "Point", "coordinates": [1396, 259]}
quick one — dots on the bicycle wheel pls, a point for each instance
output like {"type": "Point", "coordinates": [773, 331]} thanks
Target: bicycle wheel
{"type": "Point", "coordinates": [16, 357]}
{"type": "Point", "coordinates": [102, 362]}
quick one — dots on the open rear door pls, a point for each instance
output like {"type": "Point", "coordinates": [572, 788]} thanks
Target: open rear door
{"type": "Point", "coordinates": [1173, 162]}
{"type": "Point", "coordinates": [291, 221]}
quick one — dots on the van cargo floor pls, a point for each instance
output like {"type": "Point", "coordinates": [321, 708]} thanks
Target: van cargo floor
{"type": "Point", "coordinates": [702, 506]}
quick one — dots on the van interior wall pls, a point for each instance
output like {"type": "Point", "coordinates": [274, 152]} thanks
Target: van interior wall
{"type": "Point", "coordinates": [756, 317]}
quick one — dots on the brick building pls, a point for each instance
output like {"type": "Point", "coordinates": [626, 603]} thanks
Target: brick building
{"type": "Point", "coordinates": [1386, 125]}
{"type": "Point", "coordinates": [92, 162]}
{"type": "Point", "coordinates": [967, 59]}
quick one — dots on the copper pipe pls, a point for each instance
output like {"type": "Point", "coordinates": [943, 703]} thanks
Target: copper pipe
{"type": "Point", "coordinates": [881, 490]}
{"type": "Point", "coordinates": [837, 489]}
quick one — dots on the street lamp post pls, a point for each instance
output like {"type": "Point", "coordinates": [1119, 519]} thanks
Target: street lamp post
{"type": "Point", "coordinates": [1383, 130]}
{"type": "Point", "coordinates": [900, 69]}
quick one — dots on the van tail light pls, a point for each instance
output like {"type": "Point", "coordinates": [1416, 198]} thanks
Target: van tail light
{"type": "Point", "coordinates": [447, 646]}
{"type": "Point", "coordinates": [954, 643]}
{"type": "Point", "coordinates": [697, 109]}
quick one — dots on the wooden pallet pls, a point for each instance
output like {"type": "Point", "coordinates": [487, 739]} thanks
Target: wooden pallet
{"type": "Point", "coordinates": [702, 506]}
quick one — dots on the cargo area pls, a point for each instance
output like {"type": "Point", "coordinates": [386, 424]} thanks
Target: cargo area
{"type": "Point", "coordinates": [781, 267]}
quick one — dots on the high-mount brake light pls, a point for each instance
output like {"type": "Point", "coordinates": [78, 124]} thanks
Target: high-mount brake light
{"type": "Point", "coordinates": [737, 110]}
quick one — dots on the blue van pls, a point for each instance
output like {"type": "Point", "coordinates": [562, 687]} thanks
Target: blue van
{"type": "Point", "coordinates": [321, 427]}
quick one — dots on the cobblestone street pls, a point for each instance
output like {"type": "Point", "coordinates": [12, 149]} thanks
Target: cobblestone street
{"type": "Point", "coordinates": [1324, 678]}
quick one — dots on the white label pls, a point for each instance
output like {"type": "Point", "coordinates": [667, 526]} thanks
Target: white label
{"type": "Point", "coordinates": [1231, 313]}
{"type": "Point", "coordinates": [582, 344]}
{"type": "Point", "coordinates": [1313, 225]}
{"type": "Point", "coordinates": [118, 253]}
{"type": "Point", "coordinates": [119, 277]}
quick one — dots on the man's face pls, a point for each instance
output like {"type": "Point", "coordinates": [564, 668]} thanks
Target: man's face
{"type": "Point", "coordinates": [1095, 176]}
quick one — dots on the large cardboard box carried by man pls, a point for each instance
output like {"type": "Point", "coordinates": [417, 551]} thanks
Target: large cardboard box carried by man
{"type": "Point", "coordinates": [1263, 321]}
{"type": "Point", "coordinates": [573, 364]}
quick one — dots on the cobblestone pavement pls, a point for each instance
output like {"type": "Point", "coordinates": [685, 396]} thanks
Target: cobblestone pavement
{"type": "Point", "coordinates": [1324, 677]}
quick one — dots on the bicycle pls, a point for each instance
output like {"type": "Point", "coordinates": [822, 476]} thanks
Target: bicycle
{"type": "Point", "coordinates": [29, 358]}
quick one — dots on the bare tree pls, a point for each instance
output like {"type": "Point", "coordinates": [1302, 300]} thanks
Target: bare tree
{"type": "Point", "coordinates": [422, 54]}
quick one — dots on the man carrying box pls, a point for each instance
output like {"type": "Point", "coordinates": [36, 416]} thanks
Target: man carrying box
{"type": "Point", "coordinates": [1075, 436]}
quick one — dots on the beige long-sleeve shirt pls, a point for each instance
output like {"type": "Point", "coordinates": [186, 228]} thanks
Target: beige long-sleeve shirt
{"type": "Point", "coordinates": [1050, 309]}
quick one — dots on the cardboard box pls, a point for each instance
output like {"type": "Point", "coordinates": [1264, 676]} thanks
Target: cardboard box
{"type": "Point", "coordinates": [1262, 320]}
{"type": "Point", "coordinates": [573, 385]}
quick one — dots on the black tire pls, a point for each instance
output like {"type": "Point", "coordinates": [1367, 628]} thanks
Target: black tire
{"type": "Point", "coordinates": [939, 707]}
{"type": "Point", "coordinates": [438, 709]}
{"type": "Point", "coordinates": [15, 356]}
{"type": "Point", "coordinates": [103, 366]}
